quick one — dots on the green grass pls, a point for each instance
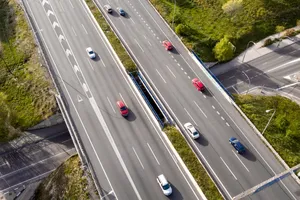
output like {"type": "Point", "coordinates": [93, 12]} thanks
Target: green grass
{"type": "Point", "coordinates": [66, 182]}
{"type": "Point", "coordinates": [283, 132]}
{"type": "Point", "coordinates": [113, 39]}
{"type": "Point", "coordinates": [24, 86]}
{"type": "Point", "coordinates": [207, 23]}
{"type": "Point", "coordinates": [192, 163]}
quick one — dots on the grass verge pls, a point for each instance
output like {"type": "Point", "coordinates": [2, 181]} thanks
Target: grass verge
{"type": "Point", "coordinates": [68, 181]}
{"type": "Point", "coordinates": [283, 132]}
{"type": "Point", "coordinates": [192, 163]}
{"type": "Point", "coordinates": [113, 39]}
{"type": "Point", "coordinates": [25, 97]}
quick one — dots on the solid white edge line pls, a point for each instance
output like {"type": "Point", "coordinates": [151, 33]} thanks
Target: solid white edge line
{"type": "Point", "coordinates": [228, 168]}
{"type": "Point", "coordinates": [111, 105]}
{"type": "Point", "coordinates": [240, 160]}
{"type": "Point", "coordinates": [153, 154]}
{"type": "Point", "coordinates": [138, 158]}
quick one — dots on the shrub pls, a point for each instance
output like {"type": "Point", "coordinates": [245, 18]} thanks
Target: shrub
{"type": "Point", "coordinates": [268, 42]}
{"type": "Point", "coordinates": [182, 30]}
{"type": "Point", "coordinates": [290, 32]}
{"type": "Point", "coordinates": [224, 50]}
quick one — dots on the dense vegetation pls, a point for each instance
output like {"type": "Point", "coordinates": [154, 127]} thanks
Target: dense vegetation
{"type": "Point", "coordinates": [203, 23]}
{"type": "Point", "coordinates": [283, 132]}
{"type": "Point", "coordinates": [66, 182]}
{"type": "Point", "coordinates": [189, 158]}
{"type": "Point", "coordinates": [113, 39]}
{"type": "Point", "coordinates": [25, 97]}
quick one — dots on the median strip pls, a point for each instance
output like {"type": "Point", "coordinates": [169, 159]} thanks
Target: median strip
{"type": "Point", "coordinates": [191, 161]}
{"type": "Point", "coordinates": [113, 39]}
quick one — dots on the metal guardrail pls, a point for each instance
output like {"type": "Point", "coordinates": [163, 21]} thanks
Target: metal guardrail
{"type": "Point", "coordinates": [147, 101]}
{"type": "Point", "coordinates": [214, 77]}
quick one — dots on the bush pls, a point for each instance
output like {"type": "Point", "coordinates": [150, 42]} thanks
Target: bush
{"type": "Point", "coordinates": [182, 30]}
{"type": "Point", "coordinates": [283, 132]}
{"type": "Point", "coordinates": [268, 42]}
{"type": "Point", "coordinates": [290, 32]}
{"type": "Point", "coordinates": [224, 50]}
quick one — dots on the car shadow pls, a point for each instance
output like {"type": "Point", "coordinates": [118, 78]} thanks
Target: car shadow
{"type": "Point", "coordinates": [114, 13]}
{"type": "Point", "coordinates": [175, 193]}
{"type": "Point", "coordinates": [174, 50]}
{"type": "Point", "coordinates": [131, 116]}
{"type": "Point", "coordinates": [202, 140]}
{"type": "Point", "coordinates": [97, 58]}
{"type": "Point", "coordinates": [249, 155]}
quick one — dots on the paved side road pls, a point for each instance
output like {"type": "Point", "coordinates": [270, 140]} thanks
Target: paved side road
{"type": "Point", "coordinates": [33, 156]}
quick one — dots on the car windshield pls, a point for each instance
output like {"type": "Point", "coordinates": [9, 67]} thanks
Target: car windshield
{"type": "Point", "coordinates": [123, 108]}
{"type": "Point", "coordinates": [165, 187]}
{"type": "Point", "coordinates": [91, 52]}
{"type": "Point", "coordinates": [195, 133]}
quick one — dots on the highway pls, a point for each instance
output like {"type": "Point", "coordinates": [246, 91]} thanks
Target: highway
{"type": "Point", "coordinates": [170, 75]}
{"type": "Point", "coordinates": [126, 154]}
{"type": "Point", "coordinates": [270, 70]}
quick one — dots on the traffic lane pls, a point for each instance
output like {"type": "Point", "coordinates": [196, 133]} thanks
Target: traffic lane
{"type": "Point", "coordinates": [247, 184]}
{"type": "Point", "coordinates": [110, 90]}
{"type": "Point", "coordinates": [92, 155]}
{"type": "Point", "coordinates": [184, 113]}
{"type": "Point", "coordinates": [247, 133]}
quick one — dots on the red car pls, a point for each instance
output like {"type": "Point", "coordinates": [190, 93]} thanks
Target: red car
{"type": "Point", "coordinates": [122, 108]}
{"type": "Point", "coordinates": [198, 84]}
{"type": "Point", "coordinates": [168, 46]}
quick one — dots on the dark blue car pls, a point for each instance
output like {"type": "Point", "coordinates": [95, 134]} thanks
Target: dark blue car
{"type": "Point", "coordinates": [121, 11]}
{"type": "Point", "coordinates": [237, 145]}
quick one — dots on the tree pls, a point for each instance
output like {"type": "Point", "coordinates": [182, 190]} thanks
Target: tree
{"type": "Point", "coordinates": [232, 6]}
{"type": "Point", "coordinates": [224, 50]}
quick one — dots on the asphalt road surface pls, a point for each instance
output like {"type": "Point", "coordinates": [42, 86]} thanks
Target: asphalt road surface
{"type": "Point", "coordinates": [126, 154]}
{"type": "Point", "coordinates": [32, 161]}
{"type": "Point", "coordinates": [270, 70]}
{"type": "Point", "coordinates": [170, 74]}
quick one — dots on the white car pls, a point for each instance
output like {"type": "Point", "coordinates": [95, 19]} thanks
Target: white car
{"type": "Point", "coordinates": [164, 185]}
{"type": "Point", "coordinates": [108, 8]}
{"type": "Point", "coordinates": [90, 52]}
{"type": "Point", "coordinates": [191, 130]}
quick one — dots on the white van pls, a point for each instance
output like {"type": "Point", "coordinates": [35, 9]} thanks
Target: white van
{"type": "Point", "coordinates": [164, 185]}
